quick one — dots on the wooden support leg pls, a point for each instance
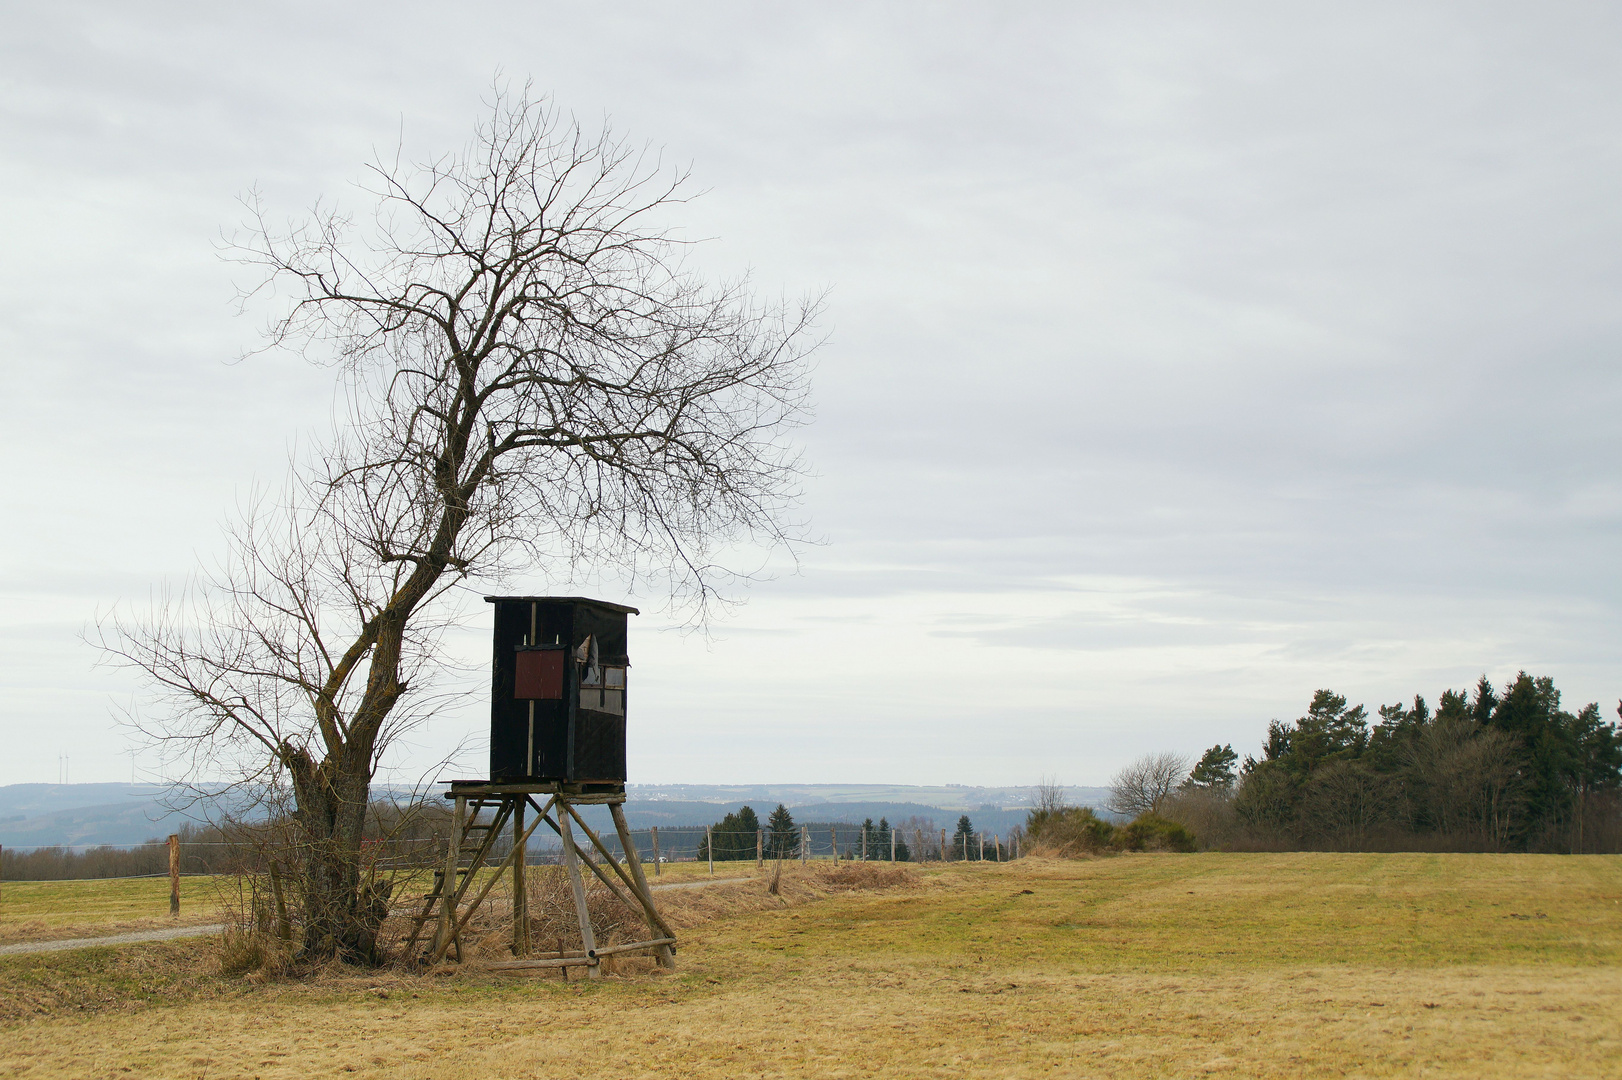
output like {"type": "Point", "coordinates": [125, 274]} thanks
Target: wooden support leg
{"type": "Point", "coordinates": [447, 885]}
{"type": "Point", "coordinates": [665, 955]}
{"type": "Point", "coordinates": [520, 883]}
{"type": "Point", "coordinates": [572, 866]}
{"type": "Point", "coordinates": [608, 857]}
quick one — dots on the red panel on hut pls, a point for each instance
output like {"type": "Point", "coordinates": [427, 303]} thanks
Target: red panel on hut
{"type": "Point", "coordinates": [539, 674]}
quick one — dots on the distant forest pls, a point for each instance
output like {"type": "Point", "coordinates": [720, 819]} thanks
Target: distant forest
{"type": "Point", "coordinates": [1486, 770]}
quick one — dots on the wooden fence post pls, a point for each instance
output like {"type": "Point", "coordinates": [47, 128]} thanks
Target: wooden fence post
{"type": "Point", "coordinates": [864, 843]}
{"type": "Point", "coordinates": [805, 843]}
{"type": "Point", "coordinates": [709, 842]}
{"type": "Point", "coordinates": [833, 837]}
{"type": "Point", "coordinates": [174, 873]}
{"type": "Point", "coordinates": [892, 845]}
{"type": "Point", "coordinates": [656, 859]}
{"type": "Point", "coordinates": [944, 852]}
{"type": "Point", "coordinates": [760, 849]}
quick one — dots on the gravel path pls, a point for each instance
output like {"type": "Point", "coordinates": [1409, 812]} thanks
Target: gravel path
{"type": "Point", "coordinates": [111, 939]}
{"type": "Point", "coordinates": [696, 884]}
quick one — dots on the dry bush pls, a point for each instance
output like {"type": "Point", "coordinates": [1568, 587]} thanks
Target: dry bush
{"type": "Point", "coordinates": [1209, 814]}
{"type": "Point", "coordinates": [850, 876]}
{"type": "Point", "coordinates": [552, 915]}
{"type": "Point", "coordinates": [245, 950]}
{"type": "Point", "coordinates": [1068, 832]}
{"type": "Point", "coordinates": [1151, 832]}
{"type": "Point", "coordinates": [488, 938]}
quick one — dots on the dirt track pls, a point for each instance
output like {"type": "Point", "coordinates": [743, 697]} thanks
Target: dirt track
{"type": "Point", "coordinates": [110, 939]}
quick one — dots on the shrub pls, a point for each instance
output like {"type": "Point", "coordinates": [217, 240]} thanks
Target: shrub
{"type": "Point", "coordinates": [1068, 831]}
{"type": "Point", "coordinates": [244, 950]}
{"type": "Point", "coordinates": [1208, 813]}
{"type": "Point", "coordinates": [1151, 832]}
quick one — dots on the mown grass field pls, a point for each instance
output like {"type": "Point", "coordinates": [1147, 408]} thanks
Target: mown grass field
{"type": "Point", "coordinates": [51, 910]}
{"type": "Point", "coordinates": [1148, 965]}
{"type": "Point", "coordinates": [48, 910]}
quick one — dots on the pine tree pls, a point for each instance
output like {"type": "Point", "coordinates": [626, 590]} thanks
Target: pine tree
{"type": "Point", "coordinates": [962, 840]}
{"type": "Point", "coordinates": [734, 837]}
{"type": "Point", "coordinates": [1215, 769]}
{"type": "Point", "coordinates": [783, 839]}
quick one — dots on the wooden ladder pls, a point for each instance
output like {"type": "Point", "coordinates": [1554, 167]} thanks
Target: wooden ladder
{"type": "Point", "coordinates": [433, 902]}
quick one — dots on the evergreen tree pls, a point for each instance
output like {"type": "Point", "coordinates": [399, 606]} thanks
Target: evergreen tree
{"type": "Point", "coordinates": [1214, 770]}
{"type": "Point", "coordinates": [734, 837]}
{"type": "Point", "coordinates": [1506, 768]}
{"type": "Point", "coordinates": [782, 839]}
{"type": "Point", "coordinates": [868, 841]}
{"type": "Point", "coordinates": [963, 838]}
{"type": "Point", "coordinates": [884, 832]}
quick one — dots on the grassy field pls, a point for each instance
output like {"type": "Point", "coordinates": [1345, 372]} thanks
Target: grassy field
{"type": "Point", "coordinates": [1149, 965]}
{"type": "Point", "coordinates": [51, 910]}
{"type": "Point", "coordinates": [46, 910]}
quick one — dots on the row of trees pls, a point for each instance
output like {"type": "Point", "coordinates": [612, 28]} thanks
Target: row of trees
{"type": "Point", "coordinates": [734, 838]}
{"type": "Point", "coordinates": [1485, 770]}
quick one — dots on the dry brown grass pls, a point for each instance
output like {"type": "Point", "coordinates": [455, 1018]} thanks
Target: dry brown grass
{"type": "Point", "coordinates": [1139, 966]}
{"type": "Point", "coordinates": [698, 901]}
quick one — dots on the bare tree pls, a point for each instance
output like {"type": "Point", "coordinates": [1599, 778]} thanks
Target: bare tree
{"type": "Point", "coordinates": [533, 378]}
{"type": "Point", "coordinates": [1049, 795]}
{"type": "Point", "coordinates": [1466, 780]}
{"type": "Point", "coordinates": [1142, 786]}
{"type": "Point", "coordinates": [1345, 802]}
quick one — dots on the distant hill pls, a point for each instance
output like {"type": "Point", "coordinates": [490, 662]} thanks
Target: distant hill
{"type": "Point", "coordinates": [32, 800]}
{"type": "Point", "coordinates": [672, 814]}
{"type": "Point", "coordinates": [959, 797]}
{"type": "Point", "coordinates": [44, 815]}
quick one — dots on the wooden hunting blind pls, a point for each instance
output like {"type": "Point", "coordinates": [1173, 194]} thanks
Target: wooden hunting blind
{"type": "Point", "coordinates": [557, 729]}
{"type": "Point", "coordinates": [558, 690]}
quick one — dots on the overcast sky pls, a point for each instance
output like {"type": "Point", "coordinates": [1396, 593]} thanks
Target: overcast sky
{"type": "Point", "coordinates": [1183, 359]}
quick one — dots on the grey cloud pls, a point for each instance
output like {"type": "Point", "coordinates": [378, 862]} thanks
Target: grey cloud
{"type": "Point", "coordinates": [1304, 315]}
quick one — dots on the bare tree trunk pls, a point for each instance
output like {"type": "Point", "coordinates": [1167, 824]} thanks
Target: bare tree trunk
{"type": "Point", "coordinates": [341, 917]}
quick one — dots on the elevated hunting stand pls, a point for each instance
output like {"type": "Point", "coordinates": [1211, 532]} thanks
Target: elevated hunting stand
{"type": "Point", "coordinates": [557, 729]}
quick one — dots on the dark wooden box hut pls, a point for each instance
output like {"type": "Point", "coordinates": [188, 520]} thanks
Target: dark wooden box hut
{"type": "Point", "coordinates": [558, 690]}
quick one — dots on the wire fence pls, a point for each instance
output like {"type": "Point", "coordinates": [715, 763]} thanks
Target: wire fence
{"type": "Point", "coordinates": [655, 846]}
